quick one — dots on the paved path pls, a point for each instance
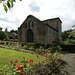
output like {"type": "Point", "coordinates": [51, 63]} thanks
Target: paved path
{"type": "Point", "coordinates": [16, 48]}
{"type": "Point", "coordinates": [69, 67]}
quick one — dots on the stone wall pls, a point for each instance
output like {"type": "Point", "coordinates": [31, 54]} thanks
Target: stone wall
{"type": "Point", "coordinates": [47, 31]}
{"type": "Point", "coordinates": [54, 29]}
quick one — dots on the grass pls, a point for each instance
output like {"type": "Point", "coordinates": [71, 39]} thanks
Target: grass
{"type": "Point", "coordinates": [6, 55]}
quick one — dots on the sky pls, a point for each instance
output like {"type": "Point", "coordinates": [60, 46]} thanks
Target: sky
{"type": "Point", "coordinates": [42, 9]}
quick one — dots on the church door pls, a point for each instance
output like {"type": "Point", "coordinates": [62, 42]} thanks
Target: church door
{"type": "Point", "coordinates": [29, 36]}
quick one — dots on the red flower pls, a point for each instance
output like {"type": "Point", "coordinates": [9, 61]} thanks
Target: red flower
{"type": "Point", "coordinates": [19, 67]}
{"type": "Point", "coordinates": [26, 66]}
{"type": "Point", "coordinates": [45, 56]}
{"type": "Point", "coordinates": [51, 55]}
{"type": "Point", "coordinates": [50, 48]}
{"type": "Point", "coordinates": [11, 61]}
{"type": "Point", "coordinates": [22, 73]}
{"type": "Point", "coordinates": [46, 53]}
{"type": "Point", "coordinates": [15, 60]}
{"type": "Point", "coordinates": [36, 50]}
{"type": "Point", "coordinates": [31, 60]}
{"type": "Point", "coordinates": [40, 46]}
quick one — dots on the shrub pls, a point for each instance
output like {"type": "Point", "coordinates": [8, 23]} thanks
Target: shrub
{"type": "Point", "coordinates": [3, 35]}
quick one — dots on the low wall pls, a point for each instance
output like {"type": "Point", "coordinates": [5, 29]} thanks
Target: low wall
{"type": "Point", "coordinates": [68, 48]}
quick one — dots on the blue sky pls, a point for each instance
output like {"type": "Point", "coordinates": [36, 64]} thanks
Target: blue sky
{"type": "Point", "coordinates": [42, 9]}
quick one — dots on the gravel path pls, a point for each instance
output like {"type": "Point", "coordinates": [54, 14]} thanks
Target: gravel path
{"type": "Point", "coordinates": [15, 48]}
{"type": "Point", "coordinates": [69, 67]}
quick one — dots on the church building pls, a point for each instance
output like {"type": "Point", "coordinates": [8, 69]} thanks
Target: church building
{"type": "Point", "coordinates": [33, 30]}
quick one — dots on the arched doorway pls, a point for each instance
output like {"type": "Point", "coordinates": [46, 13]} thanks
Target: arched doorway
{"type": "Point", "coordinates": [29, 36]}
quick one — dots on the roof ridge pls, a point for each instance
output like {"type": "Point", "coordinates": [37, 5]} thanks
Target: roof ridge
{"type": "Point", "coordinates": [52, 19]}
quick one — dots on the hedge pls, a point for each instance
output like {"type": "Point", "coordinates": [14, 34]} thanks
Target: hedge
{"type": "Point", "coordinates": [68, 48]}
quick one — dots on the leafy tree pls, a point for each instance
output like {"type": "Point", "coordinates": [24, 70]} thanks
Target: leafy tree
{"type": "Point", "coordinates": [6, 30]}
{"type": "Point", "coordinates": [69, 36]}
{"type": "Point", "coordinates": [12, 31]}
{"type": "Point", "coordinates": [16, 31]}
{"type": "Point", "coordinates": [72, 33]}
{"type": "Point", "coordinates": [8, 4]}
{"type": "Point", "coordinates": [65, 35]}
{"type": "Point", "coordinates": [0, 28]}
{"type": "Point", "coordinates": [15, 34]}
{"type": "Point", "coordinates": [3, 35]}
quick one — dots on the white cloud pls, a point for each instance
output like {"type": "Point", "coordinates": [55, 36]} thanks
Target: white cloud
{"type": "Point", "coordinates": [34, 7]}
{"type": "Point", "coordinates": [64, 9]}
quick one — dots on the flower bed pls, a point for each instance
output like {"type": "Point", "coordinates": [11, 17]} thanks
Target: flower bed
{"type": "Point", "coordinates": [30, 46]}
{"type": "Point", "coordinates": [47, 62]}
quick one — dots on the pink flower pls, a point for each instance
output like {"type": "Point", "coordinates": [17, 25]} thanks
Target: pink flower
{"type": "Point", "coordinates": [46, 53]}
{"type": "Point", "coordinates": [11, 61]}
{"type": "Point", "coordinates": [34, 63]}
{"type": "Point", "coordinates": [49, 51]}
{"type": "Point", "coordinates": [22, 73]}
{"type": "Point", "coordinates": [31, 60]}
{"type": "Point", "coordinates": [15, 60]}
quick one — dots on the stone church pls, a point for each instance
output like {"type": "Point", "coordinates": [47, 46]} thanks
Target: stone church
{"type": "Point", "coordinates": [33, 30]}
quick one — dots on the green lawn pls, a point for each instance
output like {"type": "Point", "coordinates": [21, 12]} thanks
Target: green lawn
{"type": "Point", "coordinates": [6, 55]}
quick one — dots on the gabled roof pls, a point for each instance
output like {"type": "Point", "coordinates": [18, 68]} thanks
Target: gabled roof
{"type": "Point", "coordinates": [34, 17]}
{"type": "Point", "coordinates": [52, 19]}
{"type": "Point", "coordinates": [43, 21]}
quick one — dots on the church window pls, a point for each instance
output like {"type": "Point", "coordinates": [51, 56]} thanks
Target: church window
{"type": "Point", "coordinates": [32, 24]}
{"type": "Point", "coordinates": [26, 25]}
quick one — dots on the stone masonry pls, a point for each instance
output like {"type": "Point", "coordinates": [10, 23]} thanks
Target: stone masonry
{"type": "Point", "coordinates": [33, 30]}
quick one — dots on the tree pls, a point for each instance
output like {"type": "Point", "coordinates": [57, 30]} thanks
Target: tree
{"type": "Point", "coordinates": [65, 35]}
{"type": "Point", "coordinates": [8, 4]}
{"type": "Point", "coordinates": [15, 36]}
{"type": "Point", "coordinates": [16, 31]}
{"type": "Point", "coordinates": [3, 35]}
{"type": "Point", "coordinates": [12, 31]}
{"type": "Point", "coordinates": [6, 30]}
{"type": "Point", "coordinates": [0, 28]}
{"type": "Point", "coordinates": [72, 33]}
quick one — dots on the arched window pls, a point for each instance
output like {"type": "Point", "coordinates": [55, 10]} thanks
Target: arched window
{"type": "Point", "coordinates": [25, 25]}
{"type": "Point", "coordinates": [32, 24]}
{"type": "Point", "coordinates": [29, 35]}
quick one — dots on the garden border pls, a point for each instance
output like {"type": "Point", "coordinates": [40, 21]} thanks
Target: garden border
{"type": "Point", "coordinates": [18, 49]}
{"type": "Point", "coordinates": [23, 50]}
{"type": "Point", "coordinates": [57, 67]}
